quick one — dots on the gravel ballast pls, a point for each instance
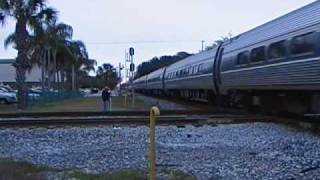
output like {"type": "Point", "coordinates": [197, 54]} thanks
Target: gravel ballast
{"type": "Point", "coordinates": [238, 151]}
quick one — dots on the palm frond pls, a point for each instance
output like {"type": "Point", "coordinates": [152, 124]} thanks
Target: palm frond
{"type": "Point", "coordinates": [81, 49]}
{"type": "Point", "coordinates": [89, 65]}
{"type": "Point", "coordinates": [2, 18]}
{"type": "Point", "coordinates": [4, 11]}
{"type": "Point", "coordinates": [10, 40]}
{"type": "Point", "coordinates": [35, 4]}
{"type": "Point", "coordinates": [36, 25]}
{"type": "Point", "coordinates": [4, 5]}
{"type": "Point", "coordinates": [48, 15]}
{"type": "Point", "coordinates": [64, 31]}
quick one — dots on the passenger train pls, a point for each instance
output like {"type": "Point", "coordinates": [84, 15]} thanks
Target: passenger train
{"type": "Point", "coordinates": [275, 66]}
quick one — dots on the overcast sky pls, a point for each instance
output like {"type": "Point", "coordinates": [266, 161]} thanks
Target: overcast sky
{"type": "Point", "coordinates": [156, 28]}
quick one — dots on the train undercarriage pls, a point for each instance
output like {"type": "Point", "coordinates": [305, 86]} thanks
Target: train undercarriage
{"type": "Point", "coordinates": [271, 102]}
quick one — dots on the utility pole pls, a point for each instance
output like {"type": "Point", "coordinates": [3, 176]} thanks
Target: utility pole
{"type": "Point", "coordinates": [125, 65]}
{"type": "Point", "coordinates": [120, 69]}
{"type": "Point", "coordinates": [202, 45]}
{"type": "Point", "coordinates": [120, 77]}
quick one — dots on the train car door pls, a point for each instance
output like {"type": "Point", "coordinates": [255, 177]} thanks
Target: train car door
{"type": "Point", "coordinates": [216, 69]}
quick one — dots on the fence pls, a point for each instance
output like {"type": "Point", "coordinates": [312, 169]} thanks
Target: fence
{"type": "Point", "coordinates": [52, 97]}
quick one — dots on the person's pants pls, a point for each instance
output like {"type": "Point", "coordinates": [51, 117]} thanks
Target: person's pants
{"type": "Point", "coordinates": [106, 105]}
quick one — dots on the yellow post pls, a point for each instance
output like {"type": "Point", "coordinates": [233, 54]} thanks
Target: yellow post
{"type": "Point", "coordinates": [154, 112]}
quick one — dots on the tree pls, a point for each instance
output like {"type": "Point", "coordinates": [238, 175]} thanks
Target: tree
{"type": "Point", "coordinates": [45, 42]}
{"type": "Point", "coordinates": [157, 63]}
{"type": "Point", "coordinates": [57, 36]}
{"type": "Point", "coordinates": [107, 76]}
{"type": "Point", "coordinates": [28, 15]}
{"type": "Point", "coordinates": [80, 61]}
{"type": "Point", "coordinates": [220, 41]}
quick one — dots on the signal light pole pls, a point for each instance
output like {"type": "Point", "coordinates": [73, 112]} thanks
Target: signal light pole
{"type": "Point", "coordinates": [132, 68]}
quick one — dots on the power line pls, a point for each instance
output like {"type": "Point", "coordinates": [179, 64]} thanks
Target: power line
{"type": "Point", "coordinates": [142, 42]}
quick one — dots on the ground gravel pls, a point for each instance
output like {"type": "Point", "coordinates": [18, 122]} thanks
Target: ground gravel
{"type": "Point", "coordinates": [238, 151]}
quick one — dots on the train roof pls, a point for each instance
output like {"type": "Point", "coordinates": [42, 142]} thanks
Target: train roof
{"type": "Point", "coordinates": [194, 59]}
{"type": "Point", "coordinates": [301, 18]}
{"type": "Point", "coordinates": [142, 78]}
{"type": "Point", "coordinates": [156, 73]}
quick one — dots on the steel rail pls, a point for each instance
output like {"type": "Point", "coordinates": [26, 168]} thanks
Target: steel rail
{"type": "Point", "coordinates": [112, 113]}
{"type": "Point", "coordinates": [123, 120]}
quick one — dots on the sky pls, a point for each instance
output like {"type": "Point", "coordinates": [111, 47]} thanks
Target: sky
{"type": "Point", "coordinates": [157, 27]}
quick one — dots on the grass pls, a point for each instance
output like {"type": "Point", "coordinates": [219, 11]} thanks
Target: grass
{"type": "Point", "coordinates": [20, 170]}
{"type": "Point", "coordinates": [172, 174]}
{"type": "Point", "coordinates": [130, 175]}
{"type": "Point", "coordinates": [120, 175]}
{"type": "Point", "coordinates": [13, 170]}
{"type": "Point", "coordinates": [93, 104]}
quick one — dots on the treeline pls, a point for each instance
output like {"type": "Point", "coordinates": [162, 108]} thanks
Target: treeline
{"type": "Point", "coordinates": [106, 75]}
{"type": "Point", "coordinates": [159, 62]}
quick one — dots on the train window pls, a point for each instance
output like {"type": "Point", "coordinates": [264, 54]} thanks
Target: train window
{"type": "Point", "coordinates": [277, 50]}
{"type": "Point", "coordinates": [258, 54]}
{"type": "Point", "coordinates": [194, 70]}
{"type": "Point", "coordinates": [243, 58]}
{"type": "Point", "coordinates": [302, 44]}
{"type": "Point", "coordinates": [186, 71]}
{"type": "Point", "coordinates": [204, 67]}
{"type": "Point", "coordinates": [190, 70]}
{"type": "Point", "coordinates": [200, 68]}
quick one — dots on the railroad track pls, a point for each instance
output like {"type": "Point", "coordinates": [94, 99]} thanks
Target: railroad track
{"type": "Point", "coordinates": [117, 118]}
{"type": "Point", "coordinates": [138, 118]}
{"type": "Point", "coordinates": [112, 113]}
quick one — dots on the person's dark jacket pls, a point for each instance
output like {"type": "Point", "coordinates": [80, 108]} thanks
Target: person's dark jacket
{"type": "Point", "coordinates": [105, 95]}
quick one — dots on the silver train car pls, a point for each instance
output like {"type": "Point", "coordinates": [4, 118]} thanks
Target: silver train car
{"type": "Point", "coordinates": [155, 81]}
{"type": "Point", "coordinates": [274, 66]}
{"type": "Point", "coordinates": [140, 83]}
{"type": "Point", "coordinates": [191, 77]}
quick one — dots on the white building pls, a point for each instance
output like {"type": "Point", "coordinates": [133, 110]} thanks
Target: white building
{"type": "Point", "coordinates": [8, 72]}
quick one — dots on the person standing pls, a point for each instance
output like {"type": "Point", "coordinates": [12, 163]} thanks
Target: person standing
{"type": "Point", "coordinates": [106, 98]}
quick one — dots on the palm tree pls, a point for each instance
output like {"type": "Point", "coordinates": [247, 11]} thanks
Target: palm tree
{"type": "Point", "coordinates": [46, 42]}
{"type": "Point", "coordinates": [57, 36]}
{"type": "Point", "coordinates": [80, 61]}
{"type": "Point", "coordinates": [28, 15]}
